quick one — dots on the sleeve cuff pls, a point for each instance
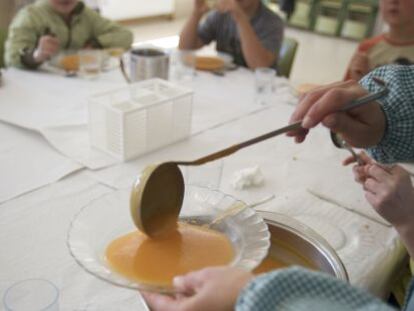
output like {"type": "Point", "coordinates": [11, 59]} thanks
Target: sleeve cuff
{"type": "Point", "coordinates": [396, 144]}
{"type": "Point", "coordinates": [27, 60]}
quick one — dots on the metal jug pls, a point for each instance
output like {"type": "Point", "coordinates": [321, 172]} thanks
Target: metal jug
{"type": "Point", "coordinates": [146, 63]}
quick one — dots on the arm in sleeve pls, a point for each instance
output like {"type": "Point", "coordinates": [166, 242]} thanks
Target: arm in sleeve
{"type": "Point", "coordinates": [21, 41]}
{"type": "Point", "coordinates": [397, 144]}
{"type": "Point", "coordinates": [299, 289]}
{"type": "Point", "coordinates": [207, 30]}
{"type": "Point", "coordinates": [271, 36]}
{"type": "Point", "coordinates": [110, 34]}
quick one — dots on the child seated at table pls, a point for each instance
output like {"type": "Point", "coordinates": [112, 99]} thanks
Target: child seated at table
{"type": "Point", "coordinates": [394, 46]}
{"type": "Point", "coordinates": [40, 30]}
{"type": "Point", "coordinates": [246, 29]}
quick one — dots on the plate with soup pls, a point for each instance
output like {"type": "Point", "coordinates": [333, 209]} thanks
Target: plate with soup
{"type": "Point", "coordinates": [104, 241]}
{"type": "Point", "coordinates": [213, 62]}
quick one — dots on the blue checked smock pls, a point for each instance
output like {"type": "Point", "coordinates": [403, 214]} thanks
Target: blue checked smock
{"type": "Point", "coordinates": [397, 145]}
{"type": "Point", "coordinates": [299, 289]}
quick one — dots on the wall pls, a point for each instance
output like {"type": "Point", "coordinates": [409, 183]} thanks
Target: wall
{"type": "Point", "coordinates": [183, 8]}
{"type": "Point", "coordinates": [6, 12]}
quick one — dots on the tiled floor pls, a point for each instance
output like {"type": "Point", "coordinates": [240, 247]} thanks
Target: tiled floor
{"type": "Point", "coordinates": [319, 59]}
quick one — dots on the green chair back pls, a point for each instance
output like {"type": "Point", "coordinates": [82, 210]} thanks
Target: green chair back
{"type": "Point", "coordinates": [3, 36]}
{"type": "Point", "coordinates": [287, 56]}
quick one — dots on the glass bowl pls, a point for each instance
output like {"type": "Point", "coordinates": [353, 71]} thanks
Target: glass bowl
{"type": "Point", "coordinates": [108, 217]}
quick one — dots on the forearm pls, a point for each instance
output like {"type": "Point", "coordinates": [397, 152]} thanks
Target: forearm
{"type": "Point", "coordinates": [118, 37]}
{"type": "Point", "coordinates": [189, 39]}
{"type": "Point", "coordinates": [254, 52]}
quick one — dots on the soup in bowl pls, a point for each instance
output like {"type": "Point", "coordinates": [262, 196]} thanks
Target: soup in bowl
{"type": "Point", "coordinates": [214, 229]}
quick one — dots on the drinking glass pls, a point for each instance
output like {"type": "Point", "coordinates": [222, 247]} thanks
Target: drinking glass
{"type": "Point", "coordinates": [264, 80]}
{"type": "Point", "coordinates": [32, 295]}
{"type": "Point", "coordinates": [182, 66]}
{"type": "Point", "coordinates": [90, 63]}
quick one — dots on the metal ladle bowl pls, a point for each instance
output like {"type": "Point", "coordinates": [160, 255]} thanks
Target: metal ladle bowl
{"type": "Point", "coordinates": [155, 208]}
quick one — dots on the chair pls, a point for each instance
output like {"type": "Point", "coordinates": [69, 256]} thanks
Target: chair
{"type": "Point", "coordinates": [304, 14]}
{"type": "Point", "coordinates": [286, 56]}
{"type": "Point", "coordinates": [359, 19]}
{"type": "Point", "coordinates": [329, 15]}
{"type": "Point", "coordinates": [3, 36]}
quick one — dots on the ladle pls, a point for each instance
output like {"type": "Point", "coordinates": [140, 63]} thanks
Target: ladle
{"type": "Point", "coordinates": [158, 193]}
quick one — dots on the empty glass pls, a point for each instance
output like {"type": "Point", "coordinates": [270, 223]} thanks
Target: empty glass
{"type": "Point", "coordinates": [90, 63]}
{"type": "Point", "coordinates": [264, 80]}
{"type": "Point", "coordinates": [182, 66]}
{"type": "Point", "coordinates": [32, 295]}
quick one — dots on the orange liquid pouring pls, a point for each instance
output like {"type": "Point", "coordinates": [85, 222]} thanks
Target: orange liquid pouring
{"type": "Point", "coordinates": [158, 261]}
{"type": "Point", "coordinates": [269, 264]}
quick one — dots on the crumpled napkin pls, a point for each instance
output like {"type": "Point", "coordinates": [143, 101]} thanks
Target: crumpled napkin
{"type": "Point", "coordinates": [247, 178]}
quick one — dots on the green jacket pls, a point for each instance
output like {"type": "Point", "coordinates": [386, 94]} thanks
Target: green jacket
{"type": "Point", "coordinates": [85, 27]}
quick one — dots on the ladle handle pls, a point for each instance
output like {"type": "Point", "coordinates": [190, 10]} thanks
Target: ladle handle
{"type": "Point", "coordinates": [237, 147]}
{"type": "Point", "coordinates": [291, 127]}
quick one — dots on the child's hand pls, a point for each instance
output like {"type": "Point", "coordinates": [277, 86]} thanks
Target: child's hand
{"type": "Point", "coordinates": [47, 47]}
{"type": "Point", "coordinates": [387, 188]}
{"type": "Point", "coordinates": [359, 170]}
{"type": "Point", "coordinates": [231, 6]}
{"type": "Point", "coordinates": [390, 191]}
{"type": "Point", "coordinates": [215, 288]}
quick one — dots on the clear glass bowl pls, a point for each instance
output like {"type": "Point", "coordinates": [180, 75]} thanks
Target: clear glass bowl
{"type": "Point", "coordinates": [108, 217]}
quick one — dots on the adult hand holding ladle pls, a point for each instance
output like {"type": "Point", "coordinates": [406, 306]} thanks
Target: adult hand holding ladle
{"type": "Point", "coordinates": [158, 193]}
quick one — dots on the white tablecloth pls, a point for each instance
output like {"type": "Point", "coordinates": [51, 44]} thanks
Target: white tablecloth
{"type": "Point", "coordinates": [56, 106]}
{"type": "Point", "coordinates": [28, 162]}
{"type": "Point", "coordinates": [33, 227]}
{"type": "Point", "coordinates": [33, 231]}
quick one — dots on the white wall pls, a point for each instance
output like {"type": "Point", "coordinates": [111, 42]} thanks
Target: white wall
{"type": "Point", "coordinates": [183, 8]}
{"type": "Point", "coordinates": [131, 9]}
{"type": "Point", "coordinates": [7, 9]}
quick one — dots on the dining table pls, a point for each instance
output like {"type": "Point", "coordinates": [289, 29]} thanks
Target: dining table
{"type": "Point", "coordinates": [49, 172]}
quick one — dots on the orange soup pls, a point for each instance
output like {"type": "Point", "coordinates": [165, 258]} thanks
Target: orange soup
{"type": "Point", "coordinates": [269, 264]}
{"type": "Point", "coordinates": [157, 261]}
{"type": "Point", "coordinates": [209, 63]}
{"type": "Point", "coordinates": [70, 62]}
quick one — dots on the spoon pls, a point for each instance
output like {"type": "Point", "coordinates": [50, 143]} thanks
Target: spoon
{"type": "Point", "coordinates": [237, 207]}
{"type": "Point", "coordinates": [158, 193]}
{"type": "Point", "coordinates": [339, 142]}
